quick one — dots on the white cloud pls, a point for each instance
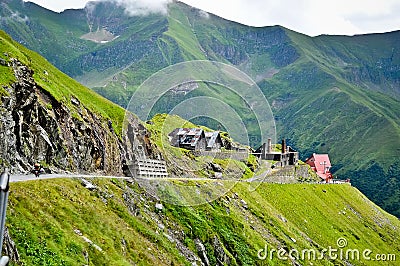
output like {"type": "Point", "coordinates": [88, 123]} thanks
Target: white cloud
{"type": "Point", "coordinates": [312, 17]}
{"type": "Point", "coordinates": [59, 6]}
{"type": "Point", "coordinates": [144, 7]}
{"type": "Point", "coordinates": [204, 14]}
{"type": "Point", "coordinates": [133, 7]}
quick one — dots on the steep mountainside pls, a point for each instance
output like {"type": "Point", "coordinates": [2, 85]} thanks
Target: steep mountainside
{"type": "Point", "coordinates": [332, 94]}
{"type": "Point", "coordinates": [47, 115]}
{"type": "Point", "coordinates": [52, 226]}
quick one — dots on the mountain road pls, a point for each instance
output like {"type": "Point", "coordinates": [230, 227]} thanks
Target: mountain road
{"type": "Point", "coordinates": [29, 177]}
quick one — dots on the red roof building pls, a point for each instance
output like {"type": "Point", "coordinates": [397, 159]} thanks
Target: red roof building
{"type": "Point", "coordinates": [321, 164]}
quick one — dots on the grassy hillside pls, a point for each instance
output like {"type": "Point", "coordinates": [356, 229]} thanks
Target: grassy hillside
{"type": "Point", "coordinates": [353, 112]}
{"type": "Point", "coordinates": [60, 222]}
{"type": "Point", "coordinates": [334, 94]}
{"type": "Point", "coordinates": [48, 221]}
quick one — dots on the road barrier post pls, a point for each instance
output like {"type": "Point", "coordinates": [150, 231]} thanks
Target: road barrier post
{"type": "Point", "coordinates": [4, 189]}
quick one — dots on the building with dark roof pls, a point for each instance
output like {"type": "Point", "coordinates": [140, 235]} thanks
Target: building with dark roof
{"type": "Point", "coordinates": [188, 138]}
{"type": "Point", "coordinates": [196, 139]}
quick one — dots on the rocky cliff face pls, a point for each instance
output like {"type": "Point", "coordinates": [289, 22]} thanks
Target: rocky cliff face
{"type": "Point", "coordinates": [34, 126]}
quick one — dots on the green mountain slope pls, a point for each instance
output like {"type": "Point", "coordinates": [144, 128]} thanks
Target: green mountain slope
{"type": "Point", "coordinates": [123, 222]}
{"type": "Point", "coordinates": [59, 85]}
{"type": "Point", "coordinates": [48, 221]}
{"type": "Point", "coordinates": [332, 94]}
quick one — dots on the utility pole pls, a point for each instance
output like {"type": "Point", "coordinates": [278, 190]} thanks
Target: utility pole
{"type": "Point", "coordinates": [4, 188]}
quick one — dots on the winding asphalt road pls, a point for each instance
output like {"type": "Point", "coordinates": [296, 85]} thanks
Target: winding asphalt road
{"type": "Point", "coordinates": [21, 178]}
{"type": "Point", "coordinates": [29, 177]}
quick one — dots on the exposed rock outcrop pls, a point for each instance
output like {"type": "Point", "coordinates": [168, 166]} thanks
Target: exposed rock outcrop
{"type": "Point", "coordinates": [9, 248]}
{"type": "Point", "coordinates": [34, 126]}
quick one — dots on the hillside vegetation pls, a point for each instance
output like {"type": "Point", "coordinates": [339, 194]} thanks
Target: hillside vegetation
{"type": "Point", "coordinates": [131, 222]}
{"type": "Point", "coordinates": [334, 94]}
{"type": "Point", "coordinates": [48, 221]}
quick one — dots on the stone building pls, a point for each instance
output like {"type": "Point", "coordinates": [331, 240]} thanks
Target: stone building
{"type": "Point", "coordinates": [286, 156]}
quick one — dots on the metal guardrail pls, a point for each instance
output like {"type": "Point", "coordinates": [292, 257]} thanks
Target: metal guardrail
{"type": "Point", "coordinates": [4, 189]}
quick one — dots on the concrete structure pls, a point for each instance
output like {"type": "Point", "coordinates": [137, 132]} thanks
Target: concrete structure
{"type": "Point", "coordinates": [321, 164]}
{"type": "Point", "coordinates": [148, 168]}
{"type": "Point", "coordinates": [286, 156]}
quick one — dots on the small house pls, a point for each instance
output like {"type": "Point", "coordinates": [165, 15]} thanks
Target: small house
{"type": "Point", "coordinates": [188, 138]}
{"type": "Point", "coordinates": [321, 164]}
{"type": "Point", "coordinates": [196, 139]}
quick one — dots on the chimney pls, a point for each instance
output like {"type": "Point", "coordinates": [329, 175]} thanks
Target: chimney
{"type": "Point", "coordinates": [264, 150]}
{"type": "Point", "coordinates": [269, 145]}
{"type": "Point", "coordinates": [283, 146]}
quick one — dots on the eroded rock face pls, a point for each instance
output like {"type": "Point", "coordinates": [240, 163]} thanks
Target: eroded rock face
{"type": "Point", "coordinates": [9, 247]}
{"type": "Point", "coordinates": [34, 126]}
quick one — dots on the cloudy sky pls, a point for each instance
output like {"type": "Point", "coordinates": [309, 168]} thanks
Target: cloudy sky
{"type": "Point", "coordinates": [311, 17]}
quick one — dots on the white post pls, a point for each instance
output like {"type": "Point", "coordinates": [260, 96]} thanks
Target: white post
{"type": "Point", "coordinates": [4, 187]}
